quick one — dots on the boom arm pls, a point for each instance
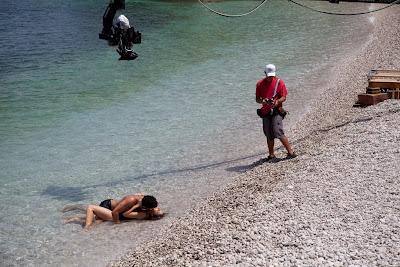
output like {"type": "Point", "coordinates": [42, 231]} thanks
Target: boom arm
{"type": "Point", "coordinates": [108, 18]}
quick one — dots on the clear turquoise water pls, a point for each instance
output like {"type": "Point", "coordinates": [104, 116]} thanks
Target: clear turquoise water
{"type": "Point", "coordinates": [79, 126]}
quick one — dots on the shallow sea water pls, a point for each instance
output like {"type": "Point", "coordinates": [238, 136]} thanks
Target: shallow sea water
{"type": "Point", "coordinates": [179, 122]}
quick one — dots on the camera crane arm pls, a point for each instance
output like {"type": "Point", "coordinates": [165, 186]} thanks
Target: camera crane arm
{"type": "Point", "coordinates": [108, 18]}
{"type": "Point", "coordinates": [121, 34]}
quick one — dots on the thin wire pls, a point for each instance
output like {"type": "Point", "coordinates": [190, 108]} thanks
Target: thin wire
{"type": "Point", "coordinates": [345, 14]}
{"type": "Point", "coordinates": [234, 15]}
{"type": "Point", "coordinates": [299, 4]}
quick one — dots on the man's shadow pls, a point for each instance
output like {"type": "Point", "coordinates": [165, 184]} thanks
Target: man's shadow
{"type": "Point", "coordinates": [245, 168]}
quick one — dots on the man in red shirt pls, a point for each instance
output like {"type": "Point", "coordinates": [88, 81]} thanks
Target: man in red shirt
{"type": "Point", "coordinates": [271, 92]}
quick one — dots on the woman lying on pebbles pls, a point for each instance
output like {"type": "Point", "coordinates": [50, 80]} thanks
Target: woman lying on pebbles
{"type": "Point", "coordinates": [137, 206]}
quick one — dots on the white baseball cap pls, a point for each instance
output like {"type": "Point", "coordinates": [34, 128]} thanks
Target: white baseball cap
{"type": "Point", "coordinates": [122, 22]}
{"type": "Point", "coordinates": [270, 70]}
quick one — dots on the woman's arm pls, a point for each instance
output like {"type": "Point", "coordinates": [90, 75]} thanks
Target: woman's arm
{"type": "Point", "coordinates": [131, 209]}
{"type": "Point", "coordinates": [139, 215]}
{"type": "Point", "coordinates": [155, 213]}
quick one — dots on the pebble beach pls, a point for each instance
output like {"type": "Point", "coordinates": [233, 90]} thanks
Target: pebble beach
{"type": "Point", "coordinates": [336, 204]}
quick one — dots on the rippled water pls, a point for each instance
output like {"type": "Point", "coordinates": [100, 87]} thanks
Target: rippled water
{"type": "Point", "coordinates": [79, 126]}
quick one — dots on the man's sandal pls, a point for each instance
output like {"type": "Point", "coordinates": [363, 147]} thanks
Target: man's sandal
{"type": "Point", "coordinates": [269, 158]}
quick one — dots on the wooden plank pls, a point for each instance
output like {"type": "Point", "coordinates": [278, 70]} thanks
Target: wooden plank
{"type": "Point", "coordinates": [389, 79]}
{"type": "Point", "coordinates": [384, 83]}
{"type": "Point", "coordinates": [383, 74]}
{"type": "Point", "coordinates": [391, 72]}
{"type": "Point", "coordinates": [373, 90]}
{"type": "Point", "coordinates": [371, 99]}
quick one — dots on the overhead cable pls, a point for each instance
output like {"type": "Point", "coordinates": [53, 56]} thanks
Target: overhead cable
{"type": "Point", "coordinates": [234, 15]}
{"type": "Point", "coordinates": [302, 5]}
{"type": "Point", "coordinates": [345, 14]}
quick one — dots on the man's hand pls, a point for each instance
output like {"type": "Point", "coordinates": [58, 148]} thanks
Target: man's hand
{"type": "Point", "coordinates": [124, 205]}
{"type": "Point", "coordinates": [259, 99]}
{"type": "Point", "coordinates": [268, 101]}
{"type": "Point", "coordinates": [115, 216]}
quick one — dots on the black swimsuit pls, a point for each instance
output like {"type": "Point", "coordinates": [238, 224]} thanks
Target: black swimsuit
{"type": "Point", "coordinates": [107, 204]}
{"type": "Point", "coordinates": [122, 217]}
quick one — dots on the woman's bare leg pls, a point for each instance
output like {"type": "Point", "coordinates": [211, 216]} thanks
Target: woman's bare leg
{"type": "Point", "coordinates": [80, 220]}
{"type": "Point", "coordinates": [100, 212]}
{"type": "Point", "coordinates": [67, 208]}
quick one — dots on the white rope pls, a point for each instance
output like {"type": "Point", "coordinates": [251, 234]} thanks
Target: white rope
{"type": "Point", "coordinates": [345, 14]}
{"type": "Point", "coordinates": [233, 15]}
{"type": "Point", "coordinates": [299, 4]}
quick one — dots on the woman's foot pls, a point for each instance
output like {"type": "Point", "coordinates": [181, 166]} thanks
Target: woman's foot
{"type": "Point", "coordinates": [291, 155]}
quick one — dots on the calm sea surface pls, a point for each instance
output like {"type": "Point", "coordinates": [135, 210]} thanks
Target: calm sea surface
{"type": "Point", "coordinates": [79, 126]}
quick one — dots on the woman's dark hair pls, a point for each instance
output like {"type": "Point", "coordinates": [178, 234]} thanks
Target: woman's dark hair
{"type": "Point", "coordinates": [149, 202]}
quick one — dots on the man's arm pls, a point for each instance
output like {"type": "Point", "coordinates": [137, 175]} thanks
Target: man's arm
{"type": "Point", "coordinates": [131, 209]}
{"type": "Point", "coordinates": [259, 99]}
{"type": "Point", "coordinates": [282, 92]}
{"type": "Point", "coordinates": [122, 206]}
{"type": "Point", "coordinates": [279, 101]}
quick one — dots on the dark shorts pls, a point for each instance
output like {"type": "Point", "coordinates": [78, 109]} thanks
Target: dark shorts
{"type": "Point", "coordinates": [106, 204]}
{"type": "Point", "coordinates": [273, 127]}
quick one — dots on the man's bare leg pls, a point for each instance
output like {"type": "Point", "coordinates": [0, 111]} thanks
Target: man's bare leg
{"type": "Point", "coordinates": [271, 144]}
{"type": "Point", "coordinates": [286, 144]}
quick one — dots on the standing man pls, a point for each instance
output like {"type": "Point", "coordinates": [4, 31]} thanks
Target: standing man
{"type": "Point", "coordinates": [271, 92]}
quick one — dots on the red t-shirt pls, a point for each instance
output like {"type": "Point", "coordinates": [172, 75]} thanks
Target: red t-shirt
{"type": "Point", "coordinates": [265, 89]}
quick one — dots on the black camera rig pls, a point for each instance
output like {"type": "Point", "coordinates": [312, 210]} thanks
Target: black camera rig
{"type": "Point", "coordinates": [124, 38]}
